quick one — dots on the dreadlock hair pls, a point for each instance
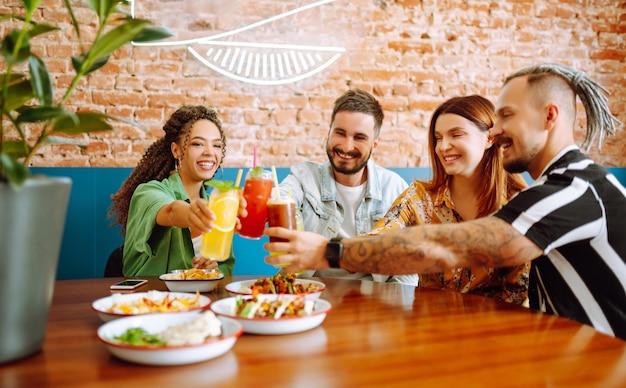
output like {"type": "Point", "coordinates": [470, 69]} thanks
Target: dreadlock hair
{"type": "Point", "coordinates": [499, 185]}
{"type": "Point", "coordinates": [600, 120]}
{"type": "Point", "coordinates": [158, 162]}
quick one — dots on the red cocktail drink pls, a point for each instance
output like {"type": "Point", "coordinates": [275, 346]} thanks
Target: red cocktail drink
{"type": "Point", "coordinates": [257, 190]}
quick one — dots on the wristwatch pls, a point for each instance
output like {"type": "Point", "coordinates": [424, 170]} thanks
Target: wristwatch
{"type": "Point", "coordinates": [334, 251]}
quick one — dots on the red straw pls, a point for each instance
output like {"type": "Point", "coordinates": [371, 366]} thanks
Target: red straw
{"type": "Point", "coordinates": [254, 159]}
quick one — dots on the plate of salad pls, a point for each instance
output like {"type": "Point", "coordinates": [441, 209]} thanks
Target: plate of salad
{"type": "Point", "coordinates": [170, 339]}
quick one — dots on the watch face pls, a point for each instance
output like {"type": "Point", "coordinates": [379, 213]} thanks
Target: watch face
{"type": "Point", "coordinates": [334, 250]}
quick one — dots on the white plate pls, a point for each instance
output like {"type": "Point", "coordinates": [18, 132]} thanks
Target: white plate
{"type": "Point", "coordinates": [226, 307]}
{"type": "Point", "coordinates": [166, 355]}
{"type": "Point", "coordinates": [103, 305]}
{"type": "Point", "coordinates": [243, 287]}
{"type": "Point", "coordinates": [179, 285]}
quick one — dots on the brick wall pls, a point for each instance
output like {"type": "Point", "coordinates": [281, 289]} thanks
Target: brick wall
{"type": "Point", "coordinates": [411, 54]}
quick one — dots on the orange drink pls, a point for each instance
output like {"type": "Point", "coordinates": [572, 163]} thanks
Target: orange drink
{"type": "Point", "coordinates": [257, 190]}
{"type": "Point", "coordinates": [217, 243]}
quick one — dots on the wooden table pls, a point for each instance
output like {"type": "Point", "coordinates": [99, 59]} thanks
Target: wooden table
{"type": "Point", "coordinates": [375, 335]}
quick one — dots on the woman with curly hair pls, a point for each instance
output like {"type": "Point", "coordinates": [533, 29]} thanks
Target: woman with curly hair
{"type": "Point", "coordinates": [161, 206]}
{"type": "Point", "coordinates": [468, 182]}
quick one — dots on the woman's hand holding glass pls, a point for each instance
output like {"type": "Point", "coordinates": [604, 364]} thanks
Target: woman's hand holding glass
{"type": "Point", "coordinates": [201, 218]}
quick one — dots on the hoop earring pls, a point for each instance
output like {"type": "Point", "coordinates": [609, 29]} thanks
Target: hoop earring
{"type": "Point", "coordinates": [176, 165]}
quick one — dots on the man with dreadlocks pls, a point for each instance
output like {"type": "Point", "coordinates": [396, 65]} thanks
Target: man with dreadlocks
{"type": "Point", "coordinates": [571, 223]}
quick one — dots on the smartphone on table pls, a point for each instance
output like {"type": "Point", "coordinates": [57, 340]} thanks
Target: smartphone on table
{"type": "Point", "coordinates": [128, 284]}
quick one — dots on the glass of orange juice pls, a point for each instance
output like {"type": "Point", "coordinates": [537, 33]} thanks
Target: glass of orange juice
{"type": "Point", "coordinates": [217, 243]}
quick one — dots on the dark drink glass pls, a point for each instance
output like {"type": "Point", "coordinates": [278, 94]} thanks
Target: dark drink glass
{"type": "Point", "coordinates": [281, 212]}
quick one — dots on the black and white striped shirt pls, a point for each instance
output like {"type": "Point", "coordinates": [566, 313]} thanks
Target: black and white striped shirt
{"type": "Point", "coordinates": [576, 213]}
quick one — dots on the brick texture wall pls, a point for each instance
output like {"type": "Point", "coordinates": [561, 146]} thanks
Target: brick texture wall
{"type": "Point", "coordinates": [411, 54]}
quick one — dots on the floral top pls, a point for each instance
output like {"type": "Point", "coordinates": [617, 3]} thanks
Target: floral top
{"type": "Point", "coordinates": [417, 206]}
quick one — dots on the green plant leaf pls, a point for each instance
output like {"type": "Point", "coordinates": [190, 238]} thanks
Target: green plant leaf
{"type": "Point", "coordinates": [9, 46]}
{"type": "Point", "coordinates": [75, 24]}
{"type": "Point", "coordinates": [65, 140]}
{"type": "Point", "coordinates": [13, 78]}
{"type": "Point", "coordinates": [15, 172]}
{"type": "Point", "coordinates": [7, 16]}
{"type": "Point", "coordinates": [103, 8]}
{"type": "Point", "coordinates": [19, 92]}
{"type": "Point", "coordinates": [15, 149]}
{"type": "Point", "coordinates": [30, 97]}
{"type": "Point", "coordinates": [116, 38]}
{"type": "Point", "coordinates": [41, 28]}
{"type": "Point", "coordinates": [127, 121]}
{"type": "Point", "coordinates": [87, 122]}
{"type": "Point", "coordinates": [151, 34]}
{"type": "Point", "coordinates": [37, 114]}
{"type": "Point", "coordinates": [31, 5]}
{"type": "Point", "coordinates": [40, 81]}
{"type": "Point", "coordinates": [78, 63]}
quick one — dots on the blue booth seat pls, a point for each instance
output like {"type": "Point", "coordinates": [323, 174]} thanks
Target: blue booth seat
{"type": "Point", "coordinates": [89, 238]}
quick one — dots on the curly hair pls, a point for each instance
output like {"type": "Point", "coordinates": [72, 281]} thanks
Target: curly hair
{"type": "Point", "coordinates": [499, 185]}
{"type": "Point", "coordinates": [158, 162]}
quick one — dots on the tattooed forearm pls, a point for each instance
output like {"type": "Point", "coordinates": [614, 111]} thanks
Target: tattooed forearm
{"type": "Point", "coordinates": [487, 242]}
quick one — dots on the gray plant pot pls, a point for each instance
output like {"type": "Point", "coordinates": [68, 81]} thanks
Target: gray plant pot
{"type": "Point", "coordinates": [32, 221]}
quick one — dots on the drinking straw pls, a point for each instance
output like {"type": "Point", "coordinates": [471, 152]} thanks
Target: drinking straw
{"type": "Point", "coordinates": [238, 177]}
{"type": "Point", "coordinates": [275, 176]}
{"type": "Point", "coordinates": [254, 158]}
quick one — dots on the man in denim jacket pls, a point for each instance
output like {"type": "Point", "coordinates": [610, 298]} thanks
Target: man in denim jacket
{"type": "Point", "coordinates": [345, 196]}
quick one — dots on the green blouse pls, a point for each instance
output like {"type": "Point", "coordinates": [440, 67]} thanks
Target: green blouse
{"type": "Point", "coordinates": [150, 249]}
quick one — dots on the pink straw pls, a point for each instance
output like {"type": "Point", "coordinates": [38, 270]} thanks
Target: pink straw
{"type": "Point", "coordinates": [254, 158]}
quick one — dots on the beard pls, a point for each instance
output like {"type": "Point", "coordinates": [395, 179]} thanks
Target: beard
{"type": "Point", "coordinates": [521, 165]}
{"type": "Point", "coordinates": [342, 166]}
{"type": "Point", "coordinates": [516, 166]}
